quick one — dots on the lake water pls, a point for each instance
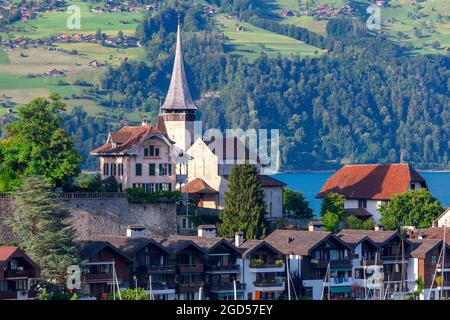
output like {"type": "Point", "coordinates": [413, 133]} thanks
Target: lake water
{"type": "Point", "coordinates": [311, 183]}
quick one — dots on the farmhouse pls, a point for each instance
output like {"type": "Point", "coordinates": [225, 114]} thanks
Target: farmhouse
{"type": "Point", "coordinates": [366, 187]}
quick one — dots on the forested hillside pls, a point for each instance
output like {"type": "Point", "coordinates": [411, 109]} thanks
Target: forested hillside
{"type": "Point", "coordinates": [366, 100]}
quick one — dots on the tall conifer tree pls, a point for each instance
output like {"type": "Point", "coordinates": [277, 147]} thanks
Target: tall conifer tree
{"type": "Point", "coordinates": [245, 208]}
{"type": "Point", "coordinates": [40, 225]}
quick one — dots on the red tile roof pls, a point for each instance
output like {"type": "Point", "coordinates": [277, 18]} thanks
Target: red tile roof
{"type": "Point", "coordinates": [378, 181]}
{"type": "Point", "coordinates": [126, 138]}
{"type": "Point", "coordinates": [198, 186]}
{"type": "Point", "coordinates": [6, 252]}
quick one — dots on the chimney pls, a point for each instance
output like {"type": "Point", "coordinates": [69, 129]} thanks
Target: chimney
{"type": "Point", "coordinates": [206, 231]}
{"type": "Point", "coordinates": [144, 122]}
{"type": "Point", "coordinates": [379, 227]}
{"type": "Point", "coordinates": [135, 231]}
{"type": "Point", "coordinates": [238, 238]}
{"type": "Point", "coordinates": [315, 226]}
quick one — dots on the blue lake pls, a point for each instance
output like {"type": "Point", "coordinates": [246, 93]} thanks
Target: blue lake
{"type": "Point", "coordinates": [311, 183]}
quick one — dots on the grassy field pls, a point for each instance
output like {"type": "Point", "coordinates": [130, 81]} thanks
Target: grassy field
{"type": "Point", "coordinates": [53, 23]}
{"type": "Point", "coordinates": [308, 22]}
{"type": "Point", "coordinates": [254, 41]}
{"type": "Point", "coordinates": [3, 57]}
{"type": "Point", "coordinates": [96, 51]}
{"type": "Point", "coordinates": [431, 18]}
{"type": "Point", "coordinates": [18, 87]}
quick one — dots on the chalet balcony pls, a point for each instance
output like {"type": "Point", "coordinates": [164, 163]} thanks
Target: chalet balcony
{"type": "Point", "coordinates": [341, 281]}
{"type": "Point", "coordinates": [163, 288]}
{"type": "Point", "coordinates": [190, 268]}
{"type": "Point", "coordinates": [228, 287]}
{"type": "Point", "coordinates": [367, 263]}
{"type": "Point", "coordinates": [266, 267]}
{"type": "Point", "coordinates": [17, 295]}
{"type": "Point", "coordinates": [389, 259]}
{"type": "Point", "coordinates": [157, 269]}
{"type": "Point", "coordinates": [188, 287]}
{"type": "Point", "coordinates": [222, 269]}
{"type": "Point", "coordinates": [340, 263]}
{"type": "Point", "coordinates": [269, 285]}
{"type": "Point", "coordinates": [11, 274]}
{"type": "Point", "coordinates": [98, 278]}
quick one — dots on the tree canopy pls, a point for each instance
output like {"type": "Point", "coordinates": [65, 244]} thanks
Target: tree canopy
{"type": "Point", "coordinates": [416, 208]}
{"type": "Point", "coordinates": [244, 208]}
{"type": "Point", "coordinates": [37, 144]}
{"type": "Point", "coordinates": [39, 223]}
{"type": "Point", "coordinates": [295, 204]}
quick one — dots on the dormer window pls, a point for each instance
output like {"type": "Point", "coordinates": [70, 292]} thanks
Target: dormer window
{"type": "Point", "coordinates": [151, 151]}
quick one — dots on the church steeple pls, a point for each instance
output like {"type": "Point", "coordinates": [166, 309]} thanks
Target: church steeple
{"type": "Point", "coordinates": [178, 97]}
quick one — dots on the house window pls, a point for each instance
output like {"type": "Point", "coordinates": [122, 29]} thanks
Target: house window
{"type": "Point", "coordinates": [151, 169]}
{"type": "Point", "coordinates": [184, 223]}
{"type": "Point", "coordinates": [165, 169]}
{"type": "Point", "coordinates": [145, 152]}
{"type": "Point", "coordinates": [121, 169]}
{"type": "Point", "coordinates": [113, 169]}
{"type": "Point", "coordinates": [138, 169]}
{"type": "Point", "coordinates": [433, 259]}
{"type": "Point", "coordinates": [106, 169]}
{"type": "Point", "coordinates": [154, 151]}
{"type": "Point", "coordinates": [362, 203]}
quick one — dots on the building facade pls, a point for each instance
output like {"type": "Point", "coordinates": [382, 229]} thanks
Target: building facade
{"type": "Point", "coordinates": [366, 187]}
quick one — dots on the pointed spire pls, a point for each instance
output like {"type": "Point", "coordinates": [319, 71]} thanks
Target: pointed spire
{"type": "Point", "coordinates": [178, 97]}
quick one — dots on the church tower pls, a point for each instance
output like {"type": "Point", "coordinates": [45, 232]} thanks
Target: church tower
{"type": "Point", "coordinates": [178, 110]}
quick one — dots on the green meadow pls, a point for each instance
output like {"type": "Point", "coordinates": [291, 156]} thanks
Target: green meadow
{"type": "Point", "coordinates": [254, 41]}
{"type": "Point", "coordinates": [53, 23]}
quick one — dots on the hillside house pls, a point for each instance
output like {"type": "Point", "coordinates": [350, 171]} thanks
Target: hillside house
{"type": "Point", "coordinates": [366, 187]}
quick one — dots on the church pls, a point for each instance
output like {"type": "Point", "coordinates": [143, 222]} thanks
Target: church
{"type": "Point", "coordinates": [164, 156]}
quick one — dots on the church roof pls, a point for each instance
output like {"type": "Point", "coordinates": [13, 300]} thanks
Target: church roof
{"type": "Point", "coordinates": [178, 97]}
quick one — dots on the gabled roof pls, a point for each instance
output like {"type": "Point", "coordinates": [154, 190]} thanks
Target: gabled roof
{"type": "Point", "coordinates": [89, 248]}
{"type": "Point", "coordinates": [250, 246]}
{"type": "Point", "coordinates": [176, 244]}
{"type": "Point", "coordinates": [9, 252]}
{"type": "Point", "coordinates": [301, 242]}
{"type": "Point", "coordinates": [423, 246]}
{"type": "Point", "coordinates": [128, 137]}
{"type": "Point", "coordinates": [447, 210]}
{"type": "Point", "coordinates": [130, 245]}
{"type": "Point", "coordinates": [355, 236]}
{"type": "Point", "coordinates": [6, 252]}
{"type": "Point", "coordinates": [199, 186]}
{"type": "Point", "coordinates": [374, 181]}
{"type": "Point", "coordinates": [434, 233]}
{"type": "Point", "coordinates": [206, 244]}
{"type": "Point", "coordinates": [178, 96]}
{"type": "Point", "coordinates": [356, 240]}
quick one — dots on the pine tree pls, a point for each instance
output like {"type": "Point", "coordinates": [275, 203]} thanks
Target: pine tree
{"type": "Point", "coordinates": [39, 223]}
{"type": "Point", "coordinates": [245, 207]}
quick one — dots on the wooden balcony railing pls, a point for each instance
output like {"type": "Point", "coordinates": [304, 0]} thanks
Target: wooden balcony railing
{"type": "Point", "coordinates": [340, 263]}
{"type": "Point", "coordinates": [229, 268]}
{"type": "Point", "coordinates": [188, 287]}
{"type": "Point", "coordinates": [226, 287]}
{"type": "Point", "coordinates": [267, 265]}
{"type": "Point", "coordinates": [268, 283]}
{"type": "Point", "coordinates": [157, 269]}
{"type": "Point", "coordinates": [190, 268]}
{"type": "Point", "coordinates": [18, 274]}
